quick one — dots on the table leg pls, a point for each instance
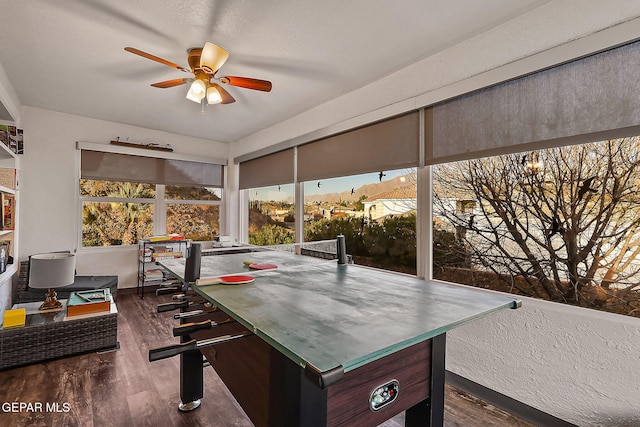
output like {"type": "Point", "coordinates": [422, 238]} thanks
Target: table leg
{"type": "Point", "coordinates": [191, 380]}
{"type": "Point", "coordinates": [191, 376]}
{"type": "Point", "coordinates": [430, 412]}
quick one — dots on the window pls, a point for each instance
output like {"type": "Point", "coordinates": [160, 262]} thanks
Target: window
{"type": "Point", "coordinates": [376, 212]}
{"type": "Point", "coordinates": [193, 212]}
{"type": "Point", "coordinates": [334, 169]}
{"type": "Point", "coordinates": [116, 213]}
{"type": "Point", "coordinates": [271, 215]}
{"type": "Point", "coordinates": [560, 224]}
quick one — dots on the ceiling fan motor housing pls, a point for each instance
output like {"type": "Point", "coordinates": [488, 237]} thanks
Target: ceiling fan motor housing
{"type": "Point", "coordinates": [194, 58]}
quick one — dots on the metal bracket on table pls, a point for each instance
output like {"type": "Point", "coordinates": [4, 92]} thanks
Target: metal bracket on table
{"type": "Point", "coordinates": [183, 295]}
{"type": "Point", "coordinates": [192, 313]}
{"type": "Point", "coordinates": [516, 304]}
{"type": "Point", "coordinates": [174, 350]}
{"type": "Point", "coordinates": [188, 328]}
{"type": "Point", "coordinates": [167, 290]}
{"type": "Point", "coordinates": [170, 306]}
{"type": "Point", "coordinates": [326, 378]}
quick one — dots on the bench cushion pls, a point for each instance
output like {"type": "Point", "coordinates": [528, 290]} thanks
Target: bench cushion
{"type": "Point", "coordinates": [26, 294]}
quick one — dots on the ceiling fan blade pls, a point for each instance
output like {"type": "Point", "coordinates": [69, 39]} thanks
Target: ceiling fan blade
{"type": "Point", "coordinates": [226, 96]}
{"type": "Point", "coordinates": [171, 83]}
{"type": "Point", "coordinates": [155, 58]}
{"type": "Point", "coordinates": [212, 57]}
{"type": "Point", "coordinates": [246, 82]}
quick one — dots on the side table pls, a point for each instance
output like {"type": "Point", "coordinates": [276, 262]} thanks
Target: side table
{"type": "Point", "coordinates": [51, 335]}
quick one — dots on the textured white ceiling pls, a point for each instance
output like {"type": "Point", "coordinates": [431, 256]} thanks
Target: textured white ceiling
{"type": "Point", "coordinates": [68, 55]}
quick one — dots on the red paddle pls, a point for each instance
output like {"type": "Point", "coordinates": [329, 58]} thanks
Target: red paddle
{"type": "Point", "coordinates": [262, 266]}
{"type": "Point", "coordinates": [225, 280]}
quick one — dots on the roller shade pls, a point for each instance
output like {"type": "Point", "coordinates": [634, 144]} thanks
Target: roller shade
{"type": "Point", "coordinates": [272, 169]}
{"type": "Point", "coordinates": [129, 168]}
{"type": "Point", "coordinates": [585, 100]}
{"type": "Point", "coordinates": [391, 144]}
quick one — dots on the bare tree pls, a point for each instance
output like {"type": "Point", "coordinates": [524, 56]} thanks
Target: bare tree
{"type": "Point", "coordinates": [566, 219]}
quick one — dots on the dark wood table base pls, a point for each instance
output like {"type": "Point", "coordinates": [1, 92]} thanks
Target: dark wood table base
{"type": "Point", "coordinates": [275, 391]}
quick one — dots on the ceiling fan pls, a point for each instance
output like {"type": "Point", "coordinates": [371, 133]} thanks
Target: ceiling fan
{"type": "Point", "coordinates": [204, 63]}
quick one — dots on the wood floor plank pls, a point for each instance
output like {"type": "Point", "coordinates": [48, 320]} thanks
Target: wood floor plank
{"type": "Point", "coordinates": [110, 408]}
{"type": "Point", "coordinates": [147, 409]}
{"type": "Point", "coordinates": [132, 361]}
{"type": "Point", "coordinates": [71, 401]}
{"type": "Point", "coordinates": [105, 385]}
{"type": "Point", "coordinates": [37, 388]}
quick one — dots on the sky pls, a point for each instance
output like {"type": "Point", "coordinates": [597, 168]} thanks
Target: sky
{"type": "Point", "coordinates": [333, 185]}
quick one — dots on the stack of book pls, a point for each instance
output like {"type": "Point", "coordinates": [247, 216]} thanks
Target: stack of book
{"type": "Point", "coordinates": [166, 238]}
{"type": "Point", "coordinates": [88, 302]}
{"type": "Point", "coordinates": [164, 252]}
{"type": "Point", "coordinates": [14, 318]}
{"type": "Point", "coordinates": [153, 274]}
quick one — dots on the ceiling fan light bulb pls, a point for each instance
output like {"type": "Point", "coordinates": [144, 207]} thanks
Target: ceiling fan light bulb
{"type": "Point", "coordinates": [198, 87]}
{"type": "Point", "coordinates": [213, 95]}
{"type": "Point", "coordinates": [195, 97]}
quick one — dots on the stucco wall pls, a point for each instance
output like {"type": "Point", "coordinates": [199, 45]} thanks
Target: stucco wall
{"type": "Point", "coordinates": [577, 364]}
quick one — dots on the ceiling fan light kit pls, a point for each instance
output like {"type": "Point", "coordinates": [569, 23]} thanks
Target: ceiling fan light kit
{"type": "Point", "coordinates": [204, 63]}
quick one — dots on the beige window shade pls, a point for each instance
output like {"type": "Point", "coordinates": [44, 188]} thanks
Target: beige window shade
{"type": "Point", "coordinates": [272, 169]}
{"type": "Point", "coordinates": [585, 100]}
{"type": "Point", "coordinates": [391, 144]}
{"type": "Point", "coordinates": [125, 167]}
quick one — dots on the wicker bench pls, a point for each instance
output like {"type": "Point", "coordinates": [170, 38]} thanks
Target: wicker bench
{"type": "Point", "coordinates": [23, 293]}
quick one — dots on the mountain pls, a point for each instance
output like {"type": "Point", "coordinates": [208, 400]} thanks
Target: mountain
{"type": "Point", "coordinates": [368, 190]}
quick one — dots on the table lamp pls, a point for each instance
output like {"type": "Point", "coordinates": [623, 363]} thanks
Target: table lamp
{"type": "Point", "coordinates": [50, 271]}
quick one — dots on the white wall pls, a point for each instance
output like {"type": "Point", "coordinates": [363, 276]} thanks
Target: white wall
{"type": "Point", "coordinates": [49, 210]}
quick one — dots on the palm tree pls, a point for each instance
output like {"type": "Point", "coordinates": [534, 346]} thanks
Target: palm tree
{"type": "Point", "coordinates": [130, 212]}
{"type": "Point", "coordinates": [94, 221]}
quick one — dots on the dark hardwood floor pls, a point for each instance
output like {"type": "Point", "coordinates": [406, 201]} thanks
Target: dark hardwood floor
{"type": "Point", "coordinates": [121, 388]}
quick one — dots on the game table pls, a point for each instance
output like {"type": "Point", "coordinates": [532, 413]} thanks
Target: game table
{"type": "Point", "coordinates": [334, 344]}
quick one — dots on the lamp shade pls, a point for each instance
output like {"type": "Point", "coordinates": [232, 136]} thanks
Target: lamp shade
{"type": "Point", "coordinates": [195, 93]}
{"type": "Point", "coordinates": [52, 270]}
{"type": "Point", "coordinates": [198, 88]}
{"type": "Point", "coordinates": [212, 57]}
